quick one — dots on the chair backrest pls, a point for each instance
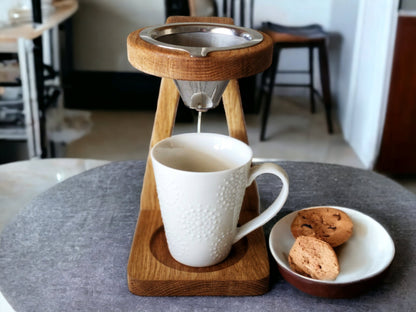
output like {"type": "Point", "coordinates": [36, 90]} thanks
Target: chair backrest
{"type": "Point", "coordinates": [241, 11]}
{"type": "Point", "coordinates": [176, 7]}
{"type": "Point", "coordinates": [37, 11]}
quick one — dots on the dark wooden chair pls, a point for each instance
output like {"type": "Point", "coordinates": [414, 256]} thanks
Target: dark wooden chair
{"type": "Point", "coordinates": [284, 37]}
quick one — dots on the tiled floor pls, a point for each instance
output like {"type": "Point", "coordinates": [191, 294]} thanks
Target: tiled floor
{"type": "Point", "coordinates": [293, 133]}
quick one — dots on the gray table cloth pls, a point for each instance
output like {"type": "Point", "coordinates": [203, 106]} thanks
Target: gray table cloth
{"type": "Point", "coordinates": [68, 249]}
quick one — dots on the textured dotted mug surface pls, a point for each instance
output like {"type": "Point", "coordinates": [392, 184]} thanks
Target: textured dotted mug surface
{"type": "Point", "coordinates": [201, 180]}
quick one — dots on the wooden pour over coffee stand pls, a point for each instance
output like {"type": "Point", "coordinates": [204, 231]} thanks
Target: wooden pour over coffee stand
{"type": "Point", "coordinates": [151, 270]}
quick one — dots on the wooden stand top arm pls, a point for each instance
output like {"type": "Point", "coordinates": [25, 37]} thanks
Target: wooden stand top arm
{"type": "Point", "coordinates": [217, 65]}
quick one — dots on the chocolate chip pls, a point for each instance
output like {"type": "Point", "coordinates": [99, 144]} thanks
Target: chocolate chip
{"type": "Point", "coordinates": [337, 215]}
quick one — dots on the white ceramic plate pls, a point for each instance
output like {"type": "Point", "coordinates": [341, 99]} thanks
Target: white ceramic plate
{"type": "Point", "coordinates": [367, 254]}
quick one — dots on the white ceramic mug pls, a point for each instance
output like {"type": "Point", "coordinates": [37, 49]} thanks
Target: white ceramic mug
{"type": "Point", "coordinates": [201, 180]}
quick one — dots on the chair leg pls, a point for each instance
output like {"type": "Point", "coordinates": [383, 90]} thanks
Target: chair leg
{"type": "Point", "coordinates": [326, 93]}
{"type": "Point", "coordinates": [266, 110]}
{"type": "Point", "coordinates": [261, 92]}
{"type": "Point", "coordinates": [311, 84]}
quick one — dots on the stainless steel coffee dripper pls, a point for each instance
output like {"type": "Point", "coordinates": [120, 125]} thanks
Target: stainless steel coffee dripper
{"type": "Point", "coordinates": [200, 39]}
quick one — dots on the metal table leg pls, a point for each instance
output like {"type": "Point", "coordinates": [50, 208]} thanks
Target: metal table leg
{"type": "Point", "coordinates": [24, 48]}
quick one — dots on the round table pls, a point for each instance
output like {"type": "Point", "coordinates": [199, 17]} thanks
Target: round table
{"type": "Point", "coordinates": [68, 249]}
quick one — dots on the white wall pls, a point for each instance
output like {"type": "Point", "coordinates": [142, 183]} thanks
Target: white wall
{"type": "Point", "coordinates": [294, 13]}
{"type": "Point", "coordinates": [101, 28]}
{"type": "Point", "coordinates": [363, 107]}
{"type": "Point", "coordinates": [409, 5]}
{"type": "Point", "coordinates": [5, 6]}
{"type": "Point", "coordinates": [343, 21]}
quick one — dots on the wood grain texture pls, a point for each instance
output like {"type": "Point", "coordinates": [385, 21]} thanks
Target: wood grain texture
{"type": "Point", "coordinates": [151, 271]}
{"type": "Point", "coordinates": [162, 128]}
{"type": "Point", "coordinates": [398, 147]}
{"type": "Point", "coordinates": [151, 275]}
{"type": "Point", "coordinates": [234, 112]}
{"type": "Point", "coordinates": [284, 37]}
{"type": "Point", "coordinates": [218, 65]}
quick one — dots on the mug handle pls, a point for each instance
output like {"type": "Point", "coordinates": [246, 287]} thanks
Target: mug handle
{"type": "Point", "coordinates": [274, 208]}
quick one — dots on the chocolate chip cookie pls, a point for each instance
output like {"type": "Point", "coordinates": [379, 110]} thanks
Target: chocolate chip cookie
{"type": "Point", "coordinates": [328, 224]}
{"type": "Point", "coordinates": [312, 257]}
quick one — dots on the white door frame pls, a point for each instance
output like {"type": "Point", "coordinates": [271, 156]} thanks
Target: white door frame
{"type": "Point", "coordinates": [370, 77]}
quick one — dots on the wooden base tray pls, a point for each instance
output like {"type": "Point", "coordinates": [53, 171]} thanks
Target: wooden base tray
{"type": "Point", "coordinates": [153, 272]}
